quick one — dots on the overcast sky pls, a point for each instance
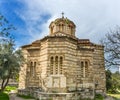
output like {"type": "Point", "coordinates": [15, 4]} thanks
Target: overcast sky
{"type": "Point", "coordinates": [93, 18]}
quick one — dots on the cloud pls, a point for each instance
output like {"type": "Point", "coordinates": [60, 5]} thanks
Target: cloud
{"type": "Point", "coordinates": [93, 18]}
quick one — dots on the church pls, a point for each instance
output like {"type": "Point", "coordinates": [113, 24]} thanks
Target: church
{"type": "Point", "coordinates": [61, 65]}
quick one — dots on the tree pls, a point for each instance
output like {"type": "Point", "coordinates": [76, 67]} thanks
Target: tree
{"type": "Point", "coordinates": [116, 79]}
{"type": "Point", "coordinates": [108, 80]}
{"type": "Point", "coordinates": [112, 82]}
{"type": "Point", "coordinates": [111, 43]}
{"type": "Point", "coordinates": [10, 59]}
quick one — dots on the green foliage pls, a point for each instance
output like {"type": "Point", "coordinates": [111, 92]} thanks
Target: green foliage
{"type": "Point", "coordinates": [10, 88]}
{"type": "Point", "coordinates": [112, 82]}
{"type": "Point", "coordinates": [10, 59]}
{"type": "Point", "coordinates": [97, 97]}
{"type": "Point", "coordinates": [108, 80]}
{"type": "Point", "coordinates": [4, 96]}
{"type": "Point", "coordinates": [115, 96]}
{"type": "Point", "coordinates": [116, 79]}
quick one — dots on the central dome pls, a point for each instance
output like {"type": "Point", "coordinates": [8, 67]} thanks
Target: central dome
{"type": "Point", "coordinates": [62, 25]}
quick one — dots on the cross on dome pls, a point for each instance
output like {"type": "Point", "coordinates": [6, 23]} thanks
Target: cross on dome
{"type": "Point", "coordinates": [62, 14]}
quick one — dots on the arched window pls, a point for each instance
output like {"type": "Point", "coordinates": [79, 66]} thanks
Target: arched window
{"type": "Point", "coordinates": [84, 68]}
{"type": "Point", "coordinates": [51, 65]}
{"type": "Point", "coordinates": [56, 65]}
{"type": "Point", "coordinates": [32, 68]}
{"type": "Point", "coordinates": [59, 27]}
{"type": "Point", "coordinates": [61, 64]}
{"type": "Point", "coordinates": [69, 29]}
{"type": "Point", "coordinates": [82, 65]}
{"type": "Point", "coordinates": [52, 29]}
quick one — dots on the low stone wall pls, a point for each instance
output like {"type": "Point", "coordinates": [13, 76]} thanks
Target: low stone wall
{"type": "Point", "coordinates": [23, 92]}
{"type": "Point", "coordinates": [29, 91]}
{"type": "Point", "coordinates": [78, 95]}
{"type": "Point", "coordinates": [11, 83]}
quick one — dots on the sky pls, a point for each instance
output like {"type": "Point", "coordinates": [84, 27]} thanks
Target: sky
{"type": "Point", "coordinates": [93, 18]}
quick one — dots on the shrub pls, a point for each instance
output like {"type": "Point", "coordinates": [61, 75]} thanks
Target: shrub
{"type": "Point", "coordinates": [10, 88]}
{"type": "Point", "coordinates": [4, 96]}
{"type": "Point", "coordinates": [26, 96]}
{"type": "Point", "coordinates": [99, 97]}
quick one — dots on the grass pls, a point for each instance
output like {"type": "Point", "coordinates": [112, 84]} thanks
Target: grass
{"type": "Point", "coordinates": [117, 96]}
{"type": "Point", "coordinates": [4, 96]}
{"type": "Point", "coordinates": [26, 97]}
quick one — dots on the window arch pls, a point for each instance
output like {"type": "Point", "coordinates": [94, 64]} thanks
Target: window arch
{"type": "Point", "coordinates": [61, 64]}
{"type": "Point", "coordinates": [56, 64]}
{"type": "Point", "coordinates": [59, 27]}
{"type": "Point", "coordinates": [62, 27]}
{"type": "Point", "coordinates": [71, 30]}
{"type": "Point", "coordinates": [51, 65]}
{"type": "Point", "coordinates": [32, 68]}
{"type": "Point", "coordinates": [82, 65]}
{"type": "Point", "coordinates": [84, 68]}
{"type": "Point", "coordinates": [52, 29]}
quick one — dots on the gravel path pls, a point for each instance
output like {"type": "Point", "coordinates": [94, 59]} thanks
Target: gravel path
{"type": "Point", "coordinates": [110, 98]}
{"type": "Point", "coordinates": [14, 97]}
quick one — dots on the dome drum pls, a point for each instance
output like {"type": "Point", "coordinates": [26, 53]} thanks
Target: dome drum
{"type": "Point", "coordinates": [62, 25]}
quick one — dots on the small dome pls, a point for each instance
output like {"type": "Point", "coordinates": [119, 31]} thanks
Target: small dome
{"type": "Point", "coordinates": [63, 21]}
{"type": "Point", "coordinates": [62, 25]}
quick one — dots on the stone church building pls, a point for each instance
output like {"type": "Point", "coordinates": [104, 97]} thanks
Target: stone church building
{"type": "Point", "coordinates": [61, 65]}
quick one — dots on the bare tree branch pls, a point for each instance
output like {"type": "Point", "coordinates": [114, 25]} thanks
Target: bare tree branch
{"type": "Point", "coordinates": [111, 43]}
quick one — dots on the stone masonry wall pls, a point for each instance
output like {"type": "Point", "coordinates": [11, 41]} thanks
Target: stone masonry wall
{"type": "Point", "coordinates": [70, 78]}
{"type": "Point", "coordinates": [99, 69]}
{"type": "Point", "coordinates": [22, 73]}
